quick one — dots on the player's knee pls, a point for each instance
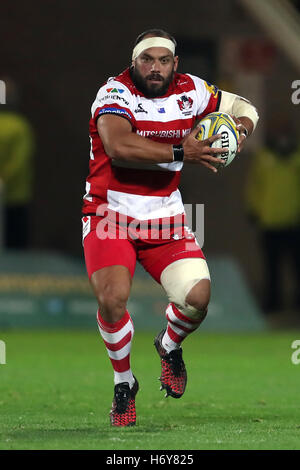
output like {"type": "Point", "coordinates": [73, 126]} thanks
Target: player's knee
{"type": "Point", "coordinates": [113, 294]}
{"type": "Point", "coordinates": [197, 300]}
{"type": "Point", "coordinates": [112, 300]}
{"type": "Point", "coordinates": [187, 284]}
{"type": "Point", "coordinates": [111, 286]}
{"type": "Point", "coordinates": [198, 297]}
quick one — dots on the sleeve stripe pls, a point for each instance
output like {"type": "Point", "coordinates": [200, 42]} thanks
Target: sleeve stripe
{"type": "Point", "coordinates": [113, 110]}
{"type": "Point", "coordinates": [127, 116]}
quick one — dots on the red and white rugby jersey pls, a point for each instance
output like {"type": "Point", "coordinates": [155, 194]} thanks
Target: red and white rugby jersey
{"type": "Point", "coordinates": [144, 190]}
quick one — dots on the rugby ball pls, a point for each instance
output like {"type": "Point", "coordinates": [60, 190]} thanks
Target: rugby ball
{"type": "Point", "coordinates": [220, 123]}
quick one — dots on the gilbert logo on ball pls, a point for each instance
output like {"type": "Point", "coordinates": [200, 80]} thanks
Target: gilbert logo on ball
{"type": "Point", "coordinates": [223, 124]}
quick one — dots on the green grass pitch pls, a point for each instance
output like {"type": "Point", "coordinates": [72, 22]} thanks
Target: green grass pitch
{"type": "Point", "coordinates": [242, 393]}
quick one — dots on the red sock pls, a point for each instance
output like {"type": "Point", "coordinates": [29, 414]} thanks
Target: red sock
{"type": "Point", "coordinates": [117, 338]}
{"type": "Point", "coordinates": [179, 327]}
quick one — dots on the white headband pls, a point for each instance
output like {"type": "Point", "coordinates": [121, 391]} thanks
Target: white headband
{"type": "Point", "coordinates": [153, 42]}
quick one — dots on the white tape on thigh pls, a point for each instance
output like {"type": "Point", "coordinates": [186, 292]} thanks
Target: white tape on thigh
{"type": "Point", "coordinates": [180, 277]}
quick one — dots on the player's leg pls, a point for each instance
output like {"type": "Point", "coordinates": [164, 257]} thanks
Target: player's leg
{"type": "Point", "coordinates": [187, 285]}
{"type": "Point", "coordinates": [112, 287]}
{"type": "Point", "coordinates": [179, 266]}
{"type": "Point", "coordinates": [110, 265]}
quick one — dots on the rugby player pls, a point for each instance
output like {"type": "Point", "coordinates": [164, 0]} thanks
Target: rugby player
{"type": "Point", "coordinates": [142, 131]}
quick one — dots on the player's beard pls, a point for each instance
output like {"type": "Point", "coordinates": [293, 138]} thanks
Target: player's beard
{"type": "Point", "coordinates": [151, 90]}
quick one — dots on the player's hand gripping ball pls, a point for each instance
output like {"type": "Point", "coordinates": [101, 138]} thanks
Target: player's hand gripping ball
{"type": "Point", "coordinates": [220, 123]}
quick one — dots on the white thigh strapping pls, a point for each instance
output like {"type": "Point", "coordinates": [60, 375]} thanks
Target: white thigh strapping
{"type": "Point", "coordinates": [180, 277]}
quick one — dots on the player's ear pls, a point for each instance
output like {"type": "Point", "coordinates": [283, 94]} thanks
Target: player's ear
{"type": "Point", "coordinates": [176, 59]}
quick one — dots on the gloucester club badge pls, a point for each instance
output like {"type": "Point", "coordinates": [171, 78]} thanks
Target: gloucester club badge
{"type": "Point", "coordinates": [185, 104]}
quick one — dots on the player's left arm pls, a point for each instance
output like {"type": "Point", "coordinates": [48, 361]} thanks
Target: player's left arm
{"type": "Point", "coordinates": [242, 111]}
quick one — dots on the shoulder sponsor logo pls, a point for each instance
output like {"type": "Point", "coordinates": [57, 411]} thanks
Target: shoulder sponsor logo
{"type": "Point", "coordinates": [115, 90]}
{"type": "Point", "coordinates": [115, 98]}
{"type": "Point", "coordinates": [140, 109]}
{"type": "Point", "coordinates": [185, 104]}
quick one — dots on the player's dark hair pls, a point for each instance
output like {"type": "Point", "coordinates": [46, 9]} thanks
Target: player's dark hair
{"type": "Point", "coordinates": [155, 32]}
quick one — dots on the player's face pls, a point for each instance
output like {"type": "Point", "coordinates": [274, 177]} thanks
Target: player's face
{"type": "Point", "coordinates": [153, 71]}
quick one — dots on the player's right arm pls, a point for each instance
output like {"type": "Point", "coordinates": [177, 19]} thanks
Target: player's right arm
{"type": "Point", "coordinates": [122, 144]}
{"type": "Point", "coordinates": [112, 112]}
